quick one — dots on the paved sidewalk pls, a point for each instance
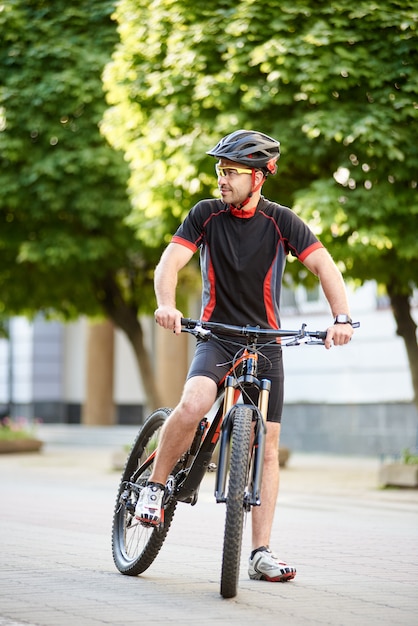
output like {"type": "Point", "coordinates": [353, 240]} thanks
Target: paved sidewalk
{"type": "Point", "coordinates": [354, 546]}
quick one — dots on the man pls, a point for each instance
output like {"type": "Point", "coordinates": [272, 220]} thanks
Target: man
{"type": "Point", "coordinates": [243, 240]}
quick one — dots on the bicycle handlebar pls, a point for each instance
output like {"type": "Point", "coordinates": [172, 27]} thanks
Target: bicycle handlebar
{"type": "Point", "coordinates": [205, 329]}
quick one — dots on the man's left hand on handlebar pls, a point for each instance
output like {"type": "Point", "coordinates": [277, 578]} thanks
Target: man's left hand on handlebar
{"type": "Point", "coordinates": [169, 317]}
{"type": "Point", "coordinates": [339, 335]}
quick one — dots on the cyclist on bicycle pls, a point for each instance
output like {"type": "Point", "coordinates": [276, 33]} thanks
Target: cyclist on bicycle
{"type": "Point", "coordinates": [243, 240]}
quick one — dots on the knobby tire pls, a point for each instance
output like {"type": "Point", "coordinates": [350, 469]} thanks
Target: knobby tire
{"type": "Point", "coordinates": [134, 546]}
{"type": "Point", "coordinates": [238, 478]}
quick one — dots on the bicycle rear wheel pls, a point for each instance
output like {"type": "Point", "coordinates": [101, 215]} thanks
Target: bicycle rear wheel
{"type": "Point", "coordinates": [134, 546]}
{"type": "Point", "coordinates": [238, 478]}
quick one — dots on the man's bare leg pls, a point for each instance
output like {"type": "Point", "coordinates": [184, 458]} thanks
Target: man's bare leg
{"type": "Point", "coordinates": [262, 516]}
{"type": "Point", "coordinates": [177, 434]}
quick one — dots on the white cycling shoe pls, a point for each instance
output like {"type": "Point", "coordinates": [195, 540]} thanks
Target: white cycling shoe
{"type": "Point", "coordinates": [264, 565]}
{"type": "Point", "coordinates": [149, 508]}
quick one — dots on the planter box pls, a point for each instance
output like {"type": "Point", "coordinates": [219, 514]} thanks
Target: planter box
{"type": "Point", "coordinates": [398, 475]}
{"type": "Point", "coordinates": [20, 445]}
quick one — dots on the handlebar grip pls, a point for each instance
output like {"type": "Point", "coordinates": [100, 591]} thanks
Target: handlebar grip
{"type": "Point", "coordinates": [321, 334]}
{"type": "Point", "coordinates": [188, 322]}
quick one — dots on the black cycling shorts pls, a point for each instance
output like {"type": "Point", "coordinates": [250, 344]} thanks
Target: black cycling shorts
{"type": "Point", "coordinates": [214, 359]}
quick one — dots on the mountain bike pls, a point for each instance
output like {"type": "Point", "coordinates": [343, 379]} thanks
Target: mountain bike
{"type": "Point", "coordinates": [237, 426]}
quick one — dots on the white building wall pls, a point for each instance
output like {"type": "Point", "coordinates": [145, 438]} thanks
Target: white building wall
{"type": "Point", "coordinates": [4, 371]}
{"type": "Point", "coordinates": [74, 365]}
{"type": "Point", "coordinates": [373, 368]}
{"type": "Point", "coordinates": [21, 332]}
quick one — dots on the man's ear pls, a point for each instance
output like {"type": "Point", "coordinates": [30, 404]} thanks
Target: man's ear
{"type": "Point", "coordinates": [259, 177]}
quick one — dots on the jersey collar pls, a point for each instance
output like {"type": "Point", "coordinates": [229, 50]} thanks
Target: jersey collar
{"type": "Point", "coordinates": [241, 213]}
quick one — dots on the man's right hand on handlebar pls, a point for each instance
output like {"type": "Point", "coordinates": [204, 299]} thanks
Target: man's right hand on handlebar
{"type": "Point", "coordinates": [169, 317]}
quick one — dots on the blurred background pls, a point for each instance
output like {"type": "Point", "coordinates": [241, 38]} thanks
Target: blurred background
{"type": "Point", "coordinates": [106, 112]}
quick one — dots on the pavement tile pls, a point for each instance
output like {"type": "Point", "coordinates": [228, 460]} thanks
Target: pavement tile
{"type": "Point", "coordinates": [354, 547]}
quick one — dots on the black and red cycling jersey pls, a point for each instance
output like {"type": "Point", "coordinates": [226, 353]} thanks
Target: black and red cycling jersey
{"type": "Point", "coordinates": [242, 258]}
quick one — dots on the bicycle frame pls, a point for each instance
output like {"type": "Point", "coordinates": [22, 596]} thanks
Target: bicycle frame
{"type": "Point", "coordinates": [234, 423]}
{"type": "Point", "coordinates": [198, 457]}
{"type": "Point", "coordinates": [229, 390]}
{"type": "Point", "coordinates": [196, 461]}
{"type": "Point", "coordinates": [220, 430]}
{"type": "Point", "coordinates": [221, 426]}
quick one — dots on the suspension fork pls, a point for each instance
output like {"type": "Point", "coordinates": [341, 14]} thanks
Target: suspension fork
{"type": "Point", "coordinates": [259, 418]}
{"type": "Point", "coordinates": [231, 395]}
{"type": "Point", "coordinates": [259, 444]}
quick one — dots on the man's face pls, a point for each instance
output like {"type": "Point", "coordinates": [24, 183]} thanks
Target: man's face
{"type": "Point", "coordinates": [234, 185]}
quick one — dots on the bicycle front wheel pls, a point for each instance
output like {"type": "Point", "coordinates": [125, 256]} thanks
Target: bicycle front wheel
{"type": "Point", "coordinates": [135, 546]}
{"type": "Point", "coordinates": [238, 479]}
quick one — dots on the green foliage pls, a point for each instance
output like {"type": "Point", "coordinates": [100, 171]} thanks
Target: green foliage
{"type": "Point", "coordinates": [63, 197]}
{"type": "Point", "coordinates": [335, 82]}
{"type": "Point", "coordinates": [409, 458]}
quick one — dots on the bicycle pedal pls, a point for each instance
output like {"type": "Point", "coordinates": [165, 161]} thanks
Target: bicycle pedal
{"type": "Point", "coordinates": [212, 467]}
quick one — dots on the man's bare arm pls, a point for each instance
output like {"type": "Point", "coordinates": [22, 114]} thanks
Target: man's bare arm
{"type": "Point", "coordinates": [173, 259]}
{"type": "Point", "coordinates": [322, 265]}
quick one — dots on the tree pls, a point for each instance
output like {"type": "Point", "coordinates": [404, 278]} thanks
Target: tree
{"type": "Point", "coordinates": [67, 247]}
{"type": "Point", "coordinates": [335, 82]}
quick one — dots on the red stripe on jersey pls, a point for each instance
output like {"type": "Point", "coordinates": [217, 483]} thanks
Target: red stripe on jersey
{"type": "Point", "coordinates": [309, 249]}
{"type": "Point", "coordinates": [184, 242]}
{"type": "Point", "coordinates": [208, 310]}
{"type": "Point", "coordinates": [268, 300]}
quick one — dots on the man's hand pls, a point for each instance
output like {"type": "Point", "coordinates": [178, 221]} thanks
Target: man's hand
{"type": "Point", "coordinates": [339, 334]}
{"type": "Point", "coordinates": [169, 317]}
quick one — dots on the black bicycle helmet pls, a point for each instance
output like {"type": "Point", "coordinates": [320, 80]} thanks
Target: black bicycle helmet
{"type": "Point", "coordinates": [251, 148]}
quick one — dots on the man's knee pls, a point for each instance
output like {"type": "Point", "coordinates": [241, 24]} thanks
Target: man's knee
{"type": "Point", "coordinates": [199, 394]}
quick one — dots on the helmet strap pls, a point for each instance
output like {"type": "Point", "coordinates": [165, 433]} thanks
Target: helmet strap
{"type": "Point", "coordinates": [254, 188]}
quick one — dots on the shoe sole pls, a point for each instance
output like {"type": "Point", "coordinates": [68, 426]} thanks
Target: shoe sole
{"type": "Point", "coordinates": [151, 522]}
{"type": "Point", "coordinates": [283, 578]}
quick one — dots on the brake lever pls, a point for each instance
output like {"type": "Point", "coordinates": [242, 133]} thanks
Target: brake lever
{"type": "Point", "coordinates": [202, 333]}
{"type": "Point", "coordinates": [293, 342]}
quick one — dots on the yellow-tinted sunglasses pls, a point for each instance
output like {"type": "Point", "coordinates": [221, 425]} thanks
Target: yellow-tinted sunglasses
{"type": "Point", "coordinates": [224, 170]}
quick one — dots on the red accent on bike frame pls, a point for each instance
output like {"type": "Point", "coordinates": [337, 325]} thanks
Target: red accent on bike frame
{"type": "Point", "coordinates": [151, 457]}
{"type": "Point", "coordinates": [217, 433]}
{"type": "Point", "coordinates": [237, 392]}
{"type": "Point", "coordinates": [231, 369]}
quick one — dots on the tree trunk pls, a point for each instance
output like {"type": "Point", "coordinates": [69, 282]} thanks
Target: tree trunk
{"type": "Point", "coordinates": [172, 361]}
{"type": "Point", "coordinates": [135, 335]}
{"type": "Point", "coordinates": [126, 318]}
{"type": "Point", "coordinates": [406, 328]}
